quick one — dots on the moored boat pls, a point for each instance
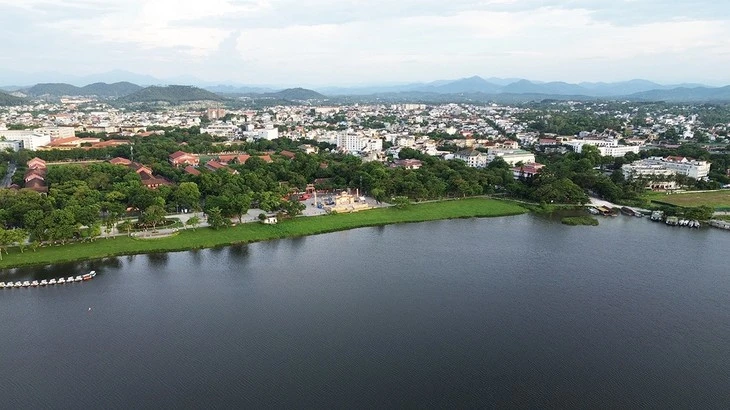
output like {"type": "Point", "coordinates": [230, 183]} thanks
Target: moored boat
{"type": "Point", "coordinates": [34, 283]}
{"type": "Point", "coordinates": [52, 282]}
{"type": "Point", "coordinates": [26, 284]}
{"type": "Point", "coordinates": [89, 275]}
{"type": "Point", "coordinates": [61, 280]}
{"type": "Point", "coordinates": [2, 284]}
{"type": "Point", "coordinates": [44, 282]}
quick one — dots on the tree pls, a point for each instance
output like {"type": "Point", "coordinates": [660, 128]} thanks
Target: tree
{"type": "Point", "coordinates": [239, 205]}
{"type": "Point", "coordinates": [153, 215]}
{"type": "Point", "coordinates": [292, 208]}
{"type": "Point", "coordinates": [193, 221]}
{"type": "Point", "coordinates": [216, 220]}
{"type": "Point", "coordinates": [187, 195]}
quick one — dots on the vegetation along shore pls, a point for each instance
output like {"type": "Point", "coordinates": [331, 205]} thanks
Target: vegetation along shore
{"type": "Point", "coordinates": [254, 232]}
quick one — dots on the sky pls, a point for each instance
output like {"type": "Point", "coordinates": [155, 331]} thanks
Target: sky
{"type": "Point", "coordinates": [351, 42]}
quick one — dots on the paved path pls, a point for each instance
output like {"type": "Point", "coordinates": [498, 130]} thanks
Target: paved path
{"type": "Point", "coordinates": [8, 179]}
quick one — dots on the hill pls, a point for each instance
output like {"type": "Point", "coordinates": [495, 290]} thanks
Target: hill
{"type": "Point", "coordinates": [7, 99]}
{"type": "Point", "coordinates": [684, 94]}
{"type": "Point", "coordinates": [465, 85]}
{"type": "Point", "coordinates": [120, 89]}
{"type": "Point", "coordinates": [53, 90]}
{"type": "Point", "coordinates": [297, 94]}
{"type": "Point", "coordinates": [173, 94]}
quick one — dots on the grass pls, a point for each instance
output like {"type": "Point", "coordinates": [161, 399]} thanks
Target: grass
{"type": "Point", "coordinates": [254, 232]}
{"type": "Point", "coordinates": [713, 199]}
{"type": "Point", "coordinates": [579, 220]}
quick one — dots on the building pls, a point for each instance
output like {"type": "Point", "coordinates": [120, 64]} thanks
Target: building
{"type": "Point", "coordinates": [606, 147]}
{"type": "Point", "coordinates": [472, 157]}
{"type": "Point", "coordinates": [180, 158]}
{"type": "Point", "coordinates": [57, 132]}
{"type": "Point", "coordinates": [407, 163]}
{"type": "Point", "coordinates": [220, 129]}
{"type": "Point", "coordinates": [528, 170]}
{"type": "Point", "coordinates": [511, 156]}
{"type": "Point", "coordinates": [267, 134]}
{"type": "Point", "coordinates": [658, 166]}
{"type": "Point", "coordinates": [28, 139]}
{"type": "Point", "coordinates": [11, 145]}
{"type": "Point", "coordinates": [215, 113]}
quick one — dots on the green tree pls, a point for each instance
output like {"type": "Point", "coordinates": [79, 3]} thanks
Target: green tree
{"type": "Point", "coordinates": [153, 215]}
{"type": "Point", "coordinates": [187, 196]}
{"type": "Point", "coordinates": [401, 202]}
{"type": "Point", "coordinates": [193, 221]}
{"type": "Point", "coordinates": [216, 220]}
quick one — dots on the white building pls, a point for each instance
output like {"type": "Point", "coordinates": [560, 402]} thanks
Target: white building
{"type": "Point", "coordinates": [473, 158]}
{"type": "Point", "coordinates": [220, 130]}
{"type": "Point", "coordinates": [267, 134]}
{"type": "Point", "coordinates": [351, 142]}
{"type": "Point", "coordinates": [606, 147]}
{"type": "Point", "coordinates": [511, 156]}
{"type": "Point", "coordinates": [13, 145]}
{"type": "Point", "coordinates": [28, 138]}
{"type": "Point", "coordinates": [56, 132]}
{"type": "Point", "coordinates": [667, 166]}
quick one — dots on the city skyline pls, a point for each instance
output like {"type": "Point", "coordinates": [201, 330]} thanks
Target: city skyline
{"type": "Point", "coordinates": [327, 43]}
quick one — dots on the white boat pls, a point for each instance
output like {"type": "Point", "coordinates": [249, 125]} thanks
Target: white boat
{"type": "Point", "coordinates": [78, 279]}
{"type": "Point", "coordinates": [2, 284]}
{"type": "Point", "coordinates": [26, 284]}
{"type": "Point", "coordinates": [69, 279]}
{"type": "Point", "coordinates": [44, 282]}
{"type": "Point", "coordinates": [52, 282]}
{"type": "Point", "coordinates": [61, 280]}
{"type": "Point", "coordinates": [34, 283]}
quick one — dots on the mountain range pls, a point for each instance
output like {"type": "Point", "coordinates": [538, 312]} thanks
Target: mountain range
{"type": "Point", "coordinates": [466, 89]}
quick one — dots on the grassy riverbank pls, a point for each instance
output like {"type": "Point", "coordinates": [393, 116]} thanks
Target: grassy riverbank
{"type": "Point", "coordinates": [254, 232]}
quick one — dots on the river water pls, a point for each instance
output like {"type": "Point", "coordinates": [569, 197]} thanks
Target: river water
{"type": "Point", "coordinates": [517, 311]}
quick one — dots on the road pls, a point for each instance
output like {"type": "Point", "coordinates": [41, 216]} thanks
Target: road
{"type": "Point", "coordinates": [8, 179]}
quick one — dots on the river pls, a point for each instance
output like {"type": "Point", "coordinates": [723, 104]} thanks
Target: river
{"type": "Point", "coordinates": [516, 311]}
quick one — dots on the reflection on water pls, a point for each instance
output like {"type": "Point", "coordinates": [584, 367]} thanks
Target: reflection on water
{"type": "Point", "coordinates": [238, 252]}
{"type": "Point", "coordinates": [158, 259]}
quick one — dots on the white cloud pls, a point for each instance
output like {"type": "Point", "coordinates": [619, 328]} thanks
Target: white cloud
{"type": "Point", "coordinates": [328, 41]}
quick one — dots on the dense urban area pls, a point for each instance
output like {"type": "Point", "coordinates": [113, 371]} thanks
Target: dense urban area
{"type": "Point", "coordinates": [79, 168]}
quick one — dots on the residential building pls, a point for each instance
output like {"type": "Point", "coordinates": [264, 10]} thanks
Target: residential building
{"type": "Point", "coordinates": [180, 158]}
{"type": "Point", "coordinates": [56, 132]}
{"type": "Point", "coordinates": [28, 139]}
{"type": "Point", "coordinates": [472, 157]}
{"type": "Point", "coordinates": [220, 129]}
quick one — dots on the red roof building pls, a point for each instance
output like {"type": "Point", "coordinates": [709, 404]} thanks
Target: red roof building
{"type": "Point", "coordinates": [183, 158]}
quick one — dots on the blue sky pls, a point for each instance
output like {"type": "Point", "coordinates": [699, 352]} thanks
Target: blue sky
{"type": "Point", "coordinates": [350, 42]}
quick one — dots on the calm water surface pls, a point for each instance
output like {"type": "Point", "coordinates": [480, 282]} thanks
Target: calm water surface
{"type": "Point", "coordinates": [515, 311]}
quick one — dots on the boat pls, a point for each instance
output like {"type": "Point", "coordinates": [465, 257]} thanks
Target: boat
{"type": "Point", "coordinates": [672, 221]}
{"type": "Point", "coordinates": [657, 216]}
{"type": "Point", "coordinates": [593, 211]}
{"type": "Point", "coordinates": [627, 211]}
{"type": "Point", "coordinates": [45, 282]}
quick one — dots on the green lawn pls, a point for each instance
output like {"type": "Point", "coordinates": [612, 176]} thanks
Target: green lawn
{"type": "Point", "coordinates": [714, 199]}
{"type": "Point", "coordinates": [253, 232]}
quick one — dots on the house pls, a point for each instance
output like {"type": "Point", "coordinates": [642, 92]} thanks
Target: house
{"type": "Point", "coordinates": [183, 158]}
{"type": "Point", "coordinates": [120, 161]}
{"type": "Point", "coordinates": [151, 181]}
{"type": "Point", "coordinates": [110, 143]}
{"type": "Point", "coordinates": [191, 170]}
{"type": "Point", "coordinates": [36, 163]}
{"type": "Point", "coordinates": [140, 169]}
{"type": "Point", "coordinates": [215, 166]}
{"type": "Point", "coordinates": [528, 170]}
{"type": "Point", "coordinates": [267, 158]}
{"type": "Point", "coordinates": [288, 154]}
{"type": "Point", "coordinates": [407, 163]}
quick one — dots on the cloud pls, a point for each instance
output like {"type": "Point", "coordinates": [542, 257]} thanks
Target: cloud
{"type": "Point", "coordinates": [327, 41]}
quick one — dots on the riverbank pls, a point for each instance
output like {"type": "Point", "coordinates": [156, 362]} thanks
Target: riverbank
{"type": "Point", "coordinates": [255, 232]}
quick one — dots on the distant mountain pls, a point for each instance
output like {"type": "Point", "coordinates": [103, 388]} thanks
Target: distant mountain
{"type": "Point", "coordinates": [557, 88]}
{"type": "Point", "coordinates": [232, 89]}
{"type": "Point", "coordinates": [110, 90]}
{"type": "Point", "coordinates": [297, 94]}
{"type": "Point", "coordinates": [173, 94]}
{"type": "Point", "coordinates": [53, 90]}
{"type": "Point", "coordinates": [464, 85]}
{"type": "Point", "coordinates": [684, 94]}
{"type": "Point", "coordinates": [7, 99]}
